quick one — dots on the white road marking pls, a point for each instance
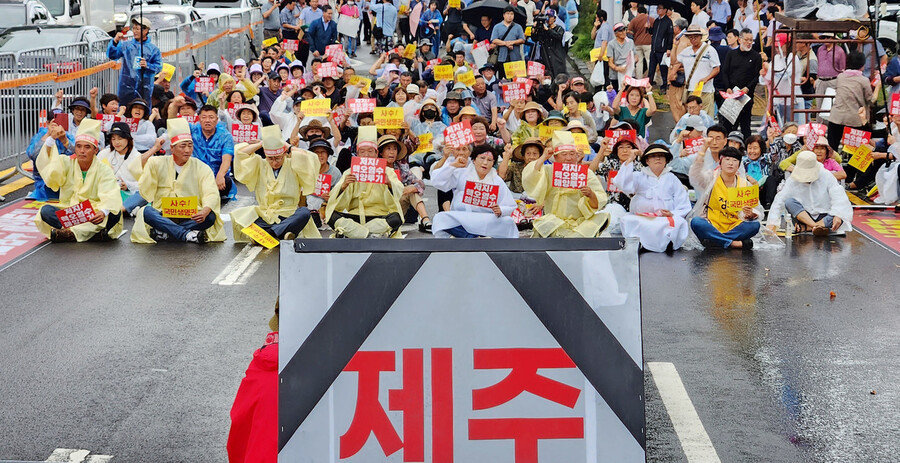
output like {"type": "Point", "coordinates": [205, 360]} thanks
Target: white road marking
{"type": "Point", "coordinates": [231, 275]}
{"type": "Point", "coordinates": [77, 456]}
{"type": "Point", "coordinates": [693, 437]}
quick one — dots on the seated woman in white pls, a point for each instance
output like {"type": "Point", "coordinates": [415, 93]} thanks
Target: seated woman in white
{"type": "Point", "coordinates": [464, 219]}
{"type": "Point", "coordinates": [659, 201]}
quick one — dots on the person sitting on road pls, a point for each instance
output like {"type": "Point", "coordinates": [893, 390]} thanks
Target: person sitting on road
{"type": "Point", "coordinates": [465, 220]}
{"type": "Point", "coordinates": [145, 135]}
{"type": "Point", "coordinates": [394, 152]}
{"type": "Point", "coordinates": [714, 223]}
{"type": "Point", "coordinates": [328, 173]}
{"type": "Point", "coordinates": [814, 199]}
{"type": "Point", "coordinates": [532, 116]}
{"type": "Point", "coordinates": [279, 181]}
{"type": "Point", "coordinates": [80, 179]}
{"type": "Point", "coordinates": [178, 175]}
{"type": "Point", "coordinates": [65, 146]}
{"type": "Point", "coordinates": [783, 146]}
{"type": "Point", "coordinates": [694, 107]}
{"type": "Point", "coordinates": [213, 145]}
{"type": "Point", "coordinates": [757, 164]}
{"type": "Point", "coordinates": [568, 212]}
{"type": "Point", "coordinates": [659, 201]}
{"type": "Point", "coordinates": [309, 129]}
{"type": "Point", "coordinates": [356, 209]}
{"type": "Point", "coordinates": [824, 154]}
{"type": "Point", "coordinates": [515, 158]}
{"type": "Point", "coordinates": [226, 84]}
{"type": "Point", "coordinates": [79, 110]}
{"type": "Point", "coordinates": [119, 155]}
{"type": "Point", "coordinates": [606, 167]}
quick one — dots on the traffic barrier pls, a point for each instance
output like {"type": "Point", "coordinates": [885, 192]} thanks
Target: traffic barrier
{"type": "Point", "coordinates": [460, 350]}
{"type": "Point", "coordinates": [29, 79]}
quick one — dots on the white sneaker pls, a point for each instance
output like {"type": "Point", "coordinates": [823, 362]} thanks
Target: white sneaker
{"type": "Point", "coordinates": [192, 236]}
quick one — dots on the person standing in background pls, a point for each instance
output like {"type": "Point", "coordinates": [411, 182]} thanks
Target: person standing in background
{"type": "Point", "coordinates": [289, 25]}
{"type": "Point", "coordinates": [641, 28]}
{"type": "Point", "coordinates": [720, 10]}
{"type": "Point", "coordinates": [271, 20]}
{"type": "Point", "coordinates": [602, 34]}
{"type": "Point", "coordinates": [661, 42]}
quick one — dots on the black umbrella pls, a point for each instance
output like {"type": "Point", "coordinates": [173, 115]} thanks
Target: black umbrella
{"type": "Point", "coordinates": [681, 6]}
{"type": "Point", "coordinates": [492, 9]}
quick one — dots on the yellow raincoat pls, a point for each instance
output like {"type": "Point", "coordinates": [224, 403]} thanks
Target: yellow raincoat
{"type": "Point", "coordinates": [274, 196]}
{"type": "Point", "coordinates": [99, 185]}
{"type": "Point", "coordinates": [567, 212]}
{"type": "Point", "coordinates": [157, 181]}
{"type": "Point", "coordinates": [245, 86]}
{"type": "Point", "coordinates": [367, 200]}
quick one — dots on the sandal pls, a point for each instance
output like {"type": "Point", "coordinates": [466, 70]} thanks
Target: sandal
{"type": "Point", "coordinates": [425, 225]}
{"type": "Point", "coordinates": [819, 230]}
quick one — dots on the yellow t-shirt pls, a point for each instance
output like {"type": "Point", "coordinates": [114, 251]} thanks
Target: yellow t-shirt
{"type": "Point", "coordinates": [718, 213]}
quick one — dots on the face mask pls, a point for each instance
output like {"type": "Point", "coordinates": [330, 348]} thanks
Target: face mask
{"type": "Point", "coordinates": [547, 82]}
{"type": "Point", "coordinates": [790, 138]}
{"type": "Point", "coordinates": [429, 113]}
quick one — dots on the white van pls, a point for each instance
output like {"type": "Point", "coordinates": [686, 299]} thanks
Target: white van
{"type": "Point", "coordinates": [98, 13]}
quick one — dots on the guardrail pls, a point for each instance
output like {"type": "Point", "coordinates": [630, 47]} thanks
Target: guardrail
{"type": "Point", "coordinates": [29, 79]}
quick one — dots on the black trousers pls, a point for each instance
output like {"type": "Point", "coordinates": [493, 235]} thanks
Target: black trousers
{"type": "Point", "coordinates": [393, 219]}
{"type": "Point", "coordinates": [656, 59]}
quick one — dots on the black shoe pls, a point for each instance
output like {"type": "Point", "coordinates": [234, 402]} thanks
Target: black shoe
{"type": "Point", "coordinates": [62, 235]}
{"type": "Point", "coordinates": [158, 236]}
{"type": "Point", "coordinates": [100, 237]}
{"type": "Point", "coordinates": [707, 244]}
{"type": "Point", "coordinates": [747, 245]}
{"type": "Point", "coordinates": [425, 227]}
{"type": "Point", "coordinates": [202, 237]}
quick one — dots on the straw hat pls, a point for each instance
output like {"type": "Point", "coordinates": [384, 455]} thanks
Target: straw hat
{"type": "Point", "coordinates": [178, 130]}
{"type": "Point", "coordinates": [518, 152]}
{"type": "Point", "coordinates": [533, 106]}
{"type": "Point", "coordinates": [315, 124]}
{"type": "Point", "coordinates": [806, 170]}
{"type": "Point", "coordinates": [466, 111]}
{"type": "Point", "coordinates": [273, 144]}
{"type": "Point", "coordinates": [386, 140]}
{"type": "Point", "coordinates": [655, 150]}
{"type": "Point", "coordinates": [249, 107]}
{"type": "Point", "coordinates": [89, 131]}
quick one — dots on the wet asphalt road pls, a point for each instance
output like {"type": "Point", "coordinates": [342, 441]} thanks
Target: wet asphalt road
{"type": "Point", "coordinates": [131, 351]}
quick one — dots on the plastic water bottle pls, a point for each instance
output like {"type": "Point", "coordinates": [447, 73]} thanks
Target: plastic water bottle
{"type": "Point", "coordinates": [789, 227]}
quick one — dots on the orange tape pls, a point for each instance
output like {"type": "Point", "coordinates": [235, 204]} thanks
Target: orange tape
{"type": "Point", "coordinates": [86, 72]}
{"type": "Point", "coordinates": [21, 82]}
{"type": "Point", "coordinates": [176, 51]}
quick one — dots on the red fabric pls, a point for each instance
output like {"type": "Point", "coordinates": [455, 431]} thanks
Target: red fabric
{"type": "Point", "coordinates": [254, 416]}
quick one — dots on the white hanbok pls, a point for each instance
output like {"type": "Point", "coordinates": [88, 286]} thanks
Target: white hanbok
{"type": "Point", "coordinates": [651, 194]}
{"type": "Point", "coordinates": [822, 196]}
{"type": "Point", "coordinates": [476, 220]}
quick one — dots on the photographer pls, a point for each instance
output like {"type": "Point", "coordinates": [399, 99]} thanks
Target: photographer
{"type": "Point", "coordinates": [549, 35]}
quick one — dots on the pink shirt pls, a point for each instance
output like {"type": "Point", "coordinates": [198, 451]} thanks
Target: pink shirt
{"type": "Point", "coordinates": [351, 11]}
{"type": "Point", "coordinates": [832, 166]}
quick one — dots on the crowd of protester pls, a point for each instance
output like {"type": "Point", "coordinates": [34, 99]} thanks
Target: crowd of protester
{"type": "Point", "coordinates": [490, 116]}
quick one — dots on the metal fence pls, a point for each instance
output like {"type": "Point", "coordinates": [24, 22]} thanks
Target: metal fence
{"type": "Point", "coordinates": [30, 79]}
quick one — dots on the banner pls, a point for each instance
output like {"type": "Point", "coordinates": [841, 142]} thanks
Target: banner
{"type": "Point", "coordinates": [369, 170]}
{"type": "Point", "coordinates": [361, 105]}
{"type": "Point", "coordinates": [256, 233]}
{"type": "Point", "coordinates": [459, 134]}
{"type": "Point", "coordinates": [581, 141]}
{"type": "Point", "coordinates": [191, 119]}
{"type": "Point", "coordinates": [389, 118]}
{"type": "Point", "coordinates": [179, 207]}
{"type": "Point", "coordinates": [545, 132]}
{"type": "Point", "coordinates": [76, 215]}
{"type": "Point", "coordinates": [334, 53]}
{"type": "Point", "coordinates": [481, 194]}
{"type": "Point", "coordinates": [316, 107]}
{"type": "Point", "coordinates": [348, 26]}
{"type": "Point", "coordinates": [244, 133]}
{"type": "Point", "coordinates": [619, 134]}
{"type": "Point", "coordinates": [514, 91]}
{"type": "Point", "coordinates": [367, 83]}
{"type": "Point", "coordinates": [852, 139]}
{"type": "Point", "coordinates": [443, 72]}
{"type": "Point", "coordinates": [106, 121]}
{"type": "Point", "coordinates": [595, 54]}
{"type": "Point", "coordinates": [895, 103]}
{"type": "Point", "coordinates": [741, 197]}
{"type": "Point", "coordinates": [631, 81]}
{"type": "Point", "coordinates": [569, 175]}
{"type": "Point", "coordinates": [328, 69]}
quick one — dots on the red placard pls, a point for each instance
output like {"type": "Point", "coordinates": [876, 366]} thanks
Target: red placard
{"type": "Point", "coordinates": [619, 134]}
{"type": "Point", "coordinates": [811, 138]}
{"type": "Point", "coordinates": [334, 53]}
{"type": "Point", "coordinates": [76, 215]}
{"type": "Point", "coordinates": [773, 123]}
{"type": "Point", "coordinates": [369, 170]}
{"type": "Point", "coordinates": [191, 119]}
{"type": "Point", "coordinates": [569, 175]}
{"type": "Point", "coordinates": [895, 104]}
{"type": "Point", "coordinates": [204, 84]}
{"type": "Point", "coordinates": [132, 122]}
{"type": "Point", "coordinates": [855, 137]}
{"type": "Point", "coordinates": [691, 146]}
{"type": "Point", "coordinates": [514, 91]}
{"type": "Point", "coordinates": [432, 62]}
{"type": "Point", "coordinates": [481, 194]}
{"type": "Point", "coordinates": [290, 45]}
{"type": "Point", "coordinates": [339, 114]}
{"type": "Point", "coordinates": [299, 83]}
{"type": "Point", "coordinates": [632, 82]}
{"type": "Point", "coordinates": [107, 120]}
{"type": "Point", "coordinates": [361, 105]}
{"type": "Point", "coordinates": [227, 68]}
{"type": "Point", "coordinates": [805, 129]}
{"type": "Point", "coordinates": [459, 134]}
{"type": "Point", "coordinates": [323, 185]}
{"type": "Point", "coordinates": [244, 133]}
{"type": "Point", "coordinates": [610, 186]}
{"type": "Point", "coordinates": [730, 95]}
{"type": "Point", "coordinates": [329, 69]}
{"type": "Point", "coordinates": [535, 69]}
{"type": "Point", "coordinates": [482, 44]}
{"type": "Point", "coordinates": [62, 120]}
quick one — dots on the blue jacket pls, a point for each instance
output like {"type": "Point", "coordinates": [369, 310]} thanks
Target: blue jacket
{"type": "Point", "coordinates": [893, 70]}
{"type": "Point", "coordinates": [41, 191]}
{"type": "Point", "coordinates": [132, 75]}
{"type": "Point", "coordinates": [319, 38]}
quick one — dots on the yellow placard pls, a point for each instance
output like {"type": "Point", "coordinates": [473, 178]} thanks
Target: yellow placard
{"type": "Point", "coordinates": [389, 118]}
{"type": "Point", "coordinates": [443, 72]}
{"type": "Point", "coordinates": [515, 69]}
{"type": "Point", "coordinates": [425, 143]}
{"type": "Point", "coordinates": [596, 54]}
{"type": "Point", "coordinates": [403, 9]}
{"type": "Point", "coordinates": [410, 51]}
{"type": "Point", "coordinates": [256, 233]}
{"type": "Point", "coordinates": [546, 132]}
{"type": "Point", "coordinates": [582, 107]}
{"type": "Point", "coordinates": [699, 90]}
{"type": "Point", "coordinates": [862, 159]}
{"type": "Point", "coordinates": [454, 3]}
{"type": "Point", "coordinates": [167, 71]}
{"type": "Point", "coordinates": [528, 31]}
{"type": "Point", "coordinates": [741, 197]}
{"type": "Point", "coordinates": [467, 78]}
{"type": "Point", "coordinates": [367, 83]}
{"type": "Point", "coordinates": [270, 41]}
{"type": "Point", "coordinates": [179, 207]}
{"type": "Point", "coordinates": [316, 107]}
{"type": "Point", "coordinates": [581, 141]}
